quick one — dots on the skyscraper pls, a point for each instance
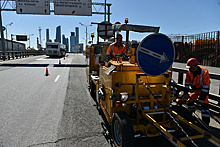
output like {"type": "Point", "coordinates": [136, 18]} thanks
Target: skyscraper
{"type": "Point", "coordinates": [65, 42]}
{"type": "Point", "coordinates": [47, 35]}
{"type": "Point", "coordinates": [63, 39]}
{"type": "Point", "coordinates": [67, 46]}
{"type": "Point", "coordinates": [74, 41]}
{"type": "Point", "coordinates": [58, 34]}
{"type": "Point", "coordinates": [77, 35]}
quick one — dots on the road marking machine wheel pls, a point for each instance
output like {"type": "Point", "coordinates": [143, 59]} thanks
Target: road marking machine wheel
{"type": "Point", "coordinates": [122, 130]}
{"type": "Point", "coordinates": [92, 90]}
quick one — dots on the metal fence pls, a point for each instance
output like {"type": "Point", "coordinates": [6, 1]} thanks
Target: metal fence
{"type": "Point", "coordinates": [12, 45]}
{"type": "Point", "coordinates": [19, 54]}
{"type": "Point", "coordinates": [205, 47]}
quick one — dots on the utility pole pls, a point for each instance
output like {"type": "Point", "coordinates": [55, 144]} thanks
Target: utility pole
{"type": "Point", "coordinates": [6, 37]}
{"type": "Point", "coordinates": [30, 40]}
{"type": "Point", "coordinates": [40, 36]}
{"type": "Point", "coordinates": [12, 42]}
{"type": "Point", "coordinates": [2, 35]}
{"type": "Point", "coordinates": [86, 36]}
{"type": "Point", "coordinates": [86, 30]}
{"type": "Point", "coordinates": [105, 11]}
{"type": "Point", "coordinates": [12, 46]}
{"type": "Point", "coordinates": [7, 29]}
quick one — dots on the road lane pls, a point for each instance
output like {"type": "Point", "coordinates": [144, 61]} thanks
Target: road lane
{"type": "Point", "coordinates": [37, 111]}
{"type": "Point", "coordinates": [80, 124]}
{"type": "Point", "coordinates": [31, 104]}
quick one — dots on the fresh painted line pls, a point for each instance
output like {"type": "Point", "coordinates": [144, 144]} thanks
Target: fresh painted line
{"type": "Point", "coordinates": [57, 78]}
{"type": "Point", "coordinates": [39, 59]}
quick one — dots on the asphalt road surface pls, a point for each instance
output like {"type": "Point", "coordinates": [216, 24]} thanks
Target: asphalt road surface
{"type": "Point", "coordinates": [52, 111]}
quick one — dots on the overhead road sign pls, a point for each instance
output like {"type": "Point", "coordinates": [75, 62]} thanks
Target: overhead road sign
{"type": "Point", "coordinates": [73, 7]}
{"type": "Point", "coordinates": [21, 37]}
{"type": "Point", "coordinates": [155, 54]}
{"type": "Point", "coordinates": [33, 7]}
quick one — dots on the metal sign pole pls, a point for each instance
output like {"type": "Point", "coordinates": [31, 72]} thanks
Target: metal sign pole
{"type": "Point", "coordinates": [86, 36]}
{"type": "Point", "coordinates": [2, 36]}
{"type": "Point", "coordinates": [105, 11]}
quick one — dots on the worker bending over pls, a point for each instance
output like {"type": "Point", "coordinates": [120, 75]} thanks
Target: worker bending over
{"type": "Point", "coordinates": [198, 78]}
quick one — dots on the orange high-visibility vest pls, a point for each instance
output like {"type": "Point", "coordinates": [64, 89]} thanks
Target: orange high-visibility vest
{"type": "Point", "coordinates": [201, 81]}
{"type": "Point", "coordinates": [115, 50]}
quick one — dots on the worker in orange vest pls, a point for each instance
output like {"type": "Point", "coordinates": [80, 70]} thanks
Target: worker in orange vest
{"type": "Point", "coordinates": [198, 78]}
{"type": "Point", "coordinates": [116, 49]}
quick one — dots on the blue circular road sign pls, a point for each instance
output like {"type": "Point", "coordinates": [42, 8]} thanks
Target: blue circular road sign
{"type": "Point", "coordinates": [155, 54]}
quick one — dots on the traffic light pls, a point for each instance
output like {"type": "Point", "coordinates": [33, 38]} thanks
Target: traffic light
{"type": "Point", "coordinates": [92, 35]}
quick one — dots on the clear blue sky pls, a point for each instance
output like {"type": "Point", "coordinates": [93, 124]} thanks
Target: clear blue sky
{"type": "Point", "coordinates": [172, 16]}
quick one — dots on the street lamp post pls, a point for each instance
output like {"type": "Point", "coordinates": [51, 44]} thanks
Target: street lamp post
{"type": "Point", "coordinates": [7, 29]}
{"type": "Point", "coordinates": [30, 40]}
{"type": "Point", "coordinates": [12, 45]}
{"type": "Point", "coordinates": [7, 32]}
{"type": "Point", "coordinates": [86, 30]}
{"type": "Point", "coordinates": [2, 37]}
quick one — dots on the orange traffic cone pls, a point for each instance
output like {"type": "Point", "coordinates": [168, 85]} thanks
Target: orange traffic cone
{"type": "Point", "coordinates": [59, 61]}
{"type": "Point", "coordinates": [47, 74]}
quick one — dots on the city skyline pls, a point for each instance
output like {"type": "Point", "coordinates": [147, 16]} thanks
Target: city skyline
{"type": "Point", "coordinates": [74, 38]}
{"type": "Point", "coordinates": [58, 34]}
{"type": "Point", "coordinates": [173, 17]}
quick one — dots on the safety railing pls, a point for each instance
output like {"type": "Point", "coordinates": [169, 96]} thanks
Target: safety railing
{"type": "Point", "coordinates": [18, 54]}
{"type": "Point", "coordinates": [214, 102]}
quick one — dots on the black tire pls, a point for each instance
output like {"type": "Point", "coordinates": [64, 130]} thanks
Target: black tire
{"type": "Point", "coordinates": [122, 130]}
{"type": "Point", "coordinates": [92, 90]}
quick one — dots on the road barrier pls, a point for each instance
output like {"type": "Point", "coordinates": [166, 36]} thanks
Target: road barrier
{"type": "Point", "coordinates": [18, 54]}
{"type": "Point", "coordinates": [214, 108]}
{"type": "Point", "coordinates": [205, 47]}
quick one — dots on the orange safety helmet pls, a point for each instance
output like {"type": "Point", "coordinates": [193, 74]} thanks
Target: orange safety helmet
{"type": "Point", "coordinates": [192, 62]}
{"type": "Point", "coordinates": [119, 36]}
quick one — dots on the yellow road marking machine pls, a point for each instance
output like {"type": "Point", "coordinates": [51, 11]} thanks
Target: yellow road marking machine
{"type": "Point", "coordinates": [136, 95]}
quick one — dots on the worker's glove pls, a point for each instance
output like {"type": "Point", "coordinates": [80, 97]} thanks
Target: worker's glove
{"type": "Point", "coordinates": [185, 96]}
{"type": "Point", "coordinates": [109, 57]}
{"type": "Point", "coordinates": [125, 57]}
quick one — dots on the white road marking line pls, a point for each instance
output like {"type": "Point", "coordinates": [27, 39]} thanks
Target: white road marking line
{"type": "Point", "coordinates": [63, 63]}
{"type": "Point", "coordinates": [39, 59]}
{"type": "Point", "coordinates": [57, 78]}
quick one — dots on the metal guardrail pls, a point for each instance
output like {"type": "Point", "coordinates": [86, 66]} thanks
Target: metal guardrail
{"type": "Point", "coordinates": [214, 108]}
{"type": "Point", "coordinates": [18, 54]}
